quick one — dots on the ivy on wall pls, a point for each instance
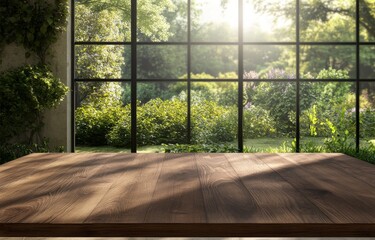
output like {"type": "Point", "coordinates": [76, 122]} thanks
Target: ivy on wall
{"type": "Point", "coordinates": [26, 92]}
{"type": "Point", "coordinates": [33, 24]}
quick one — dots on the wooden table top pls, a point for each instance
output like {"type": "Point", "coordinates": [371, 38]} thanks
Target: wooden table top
{"type": "Point", "coordinates": [234, 194]}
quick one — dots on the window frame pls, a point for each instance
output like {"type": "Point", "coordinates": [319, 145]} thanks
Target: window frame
{"type": "Point", "coordinates": [240, 80]}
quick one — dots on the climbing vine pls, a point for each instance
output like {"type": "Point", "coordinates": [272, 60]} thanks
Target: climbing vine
{"type": "Point", "coordinates": [27, 91]}
{"type": "Point", "coordinates": [33, 24]}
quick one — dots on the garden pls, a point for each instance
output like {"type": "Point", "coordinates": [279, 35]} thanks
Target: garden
{"type": "Point", "coordinates": [190, 75]}
{"type": "Point", "coordinates": [327, 90]}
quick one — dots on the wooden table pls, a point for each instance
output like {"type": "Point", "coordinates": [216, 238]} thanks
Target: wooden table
{"type": "Point", "coordinates": [114, 195]}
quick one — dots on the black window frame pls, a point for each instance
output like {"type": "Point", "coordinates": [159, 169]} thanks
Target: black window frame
{"type": "Point", "coordinates": [240, 43]}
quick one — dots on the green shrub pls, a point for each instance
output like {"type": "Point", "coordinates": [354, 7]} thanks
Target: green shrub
{"type": "Point", "coordinates": [365, 153]}
{"type": "Point", "coordinates": [367, 119]}
{"type": "Point", "coordinates": [162, 122]}
{"type": "Point", "coordinates": [94, 123]}
{"type": "Point", "coordinates": [100, 111]}
{"type": "Point", "coordinates": [9, 151]}
{"type": "Point", "coordinates": [258, 123]}
{"type": "Point", "coordinates": [25, 93]}
{"type": "Point", "coordinates": [212, 123]}
{"type": "Point", "coordinates": [158, 122]}
{"type": "Point", "coordinates": [120, 134]}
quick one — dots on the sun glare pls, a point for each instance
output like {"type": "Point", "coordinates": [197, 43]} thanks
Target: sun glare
{"type": "Point", "coordinates": [217, 11]}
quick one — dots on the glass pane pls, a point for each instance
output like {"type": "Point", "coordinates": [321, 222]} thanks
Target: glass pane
{"type": "Point", "coordinates": [323, 20]}
{"type": "Point", "coordinates": [367, 114]}
{"type": "Point", "coordinates": [161, 115]}
{"type": "Point", "coordinates": [102, 111]}
{"type": "Point", "coordinates": [269, 62]}
{"type": "Point", "coordinates": [214, 113]}
{"type": "Point", "coordinates": [327, 116]}
{"type": "Point", "coordinates": [102, 22]}
{"type": "Point", "coordinates": [217, 61]}
{"type": "Point", "coordinates": [367, 20]}
{"type": "Point", "coordinates": [161, 62]}
{"type": "Point", "coordinates": [214, 21]}
{"type": "Point", "coordinates": [367, 62]}
{"type": "Point", "coordinates": [328, 62]}
{"type": "Point", "coordinates": [269, 21]}
{"type": "Point", "coordinates": [269, 116]}
{"type": "Point", "coordinates": [102, 61]}
{"type": "Point", "coordinates": [161, 21]}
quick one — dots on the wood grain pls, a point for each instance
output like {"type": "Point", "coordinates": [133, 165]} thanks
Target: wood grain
{"type": "Point", "coordinates": [187, 195]}
{"type": "Point", "coordinates": [226, 198]}
{"type": "Point", "coordinates": [23, 168]}
{"type": "Point", "coordinates": [87, 196]}
{"type": "Point", "coordinates": [177, 197]}
{"type": "Point", "coordinates": [361, 197]}
{"type": "Point", "coordinates": [318, 189]}
{"type": "Point", "coordinates": [282, 202]}
{"type": "Point", "coordinates": [130, 195]}
{"type": "Point", "coordinates": [49, 194]}
{"type": "Point", "coordinates": [359, 169]}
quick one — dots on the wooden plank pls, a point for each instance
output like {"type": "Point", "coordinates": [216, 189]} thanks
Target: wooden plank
{"type": "Point", "coordinates": [338, 204]}
{"type": "Point", "coordinates": [226, 198]}
{"type": "Point", "coordinates": [356, 168]}
{"type": "Point", "coordinates": [361, 193]}
{"type": "Point", "coordinates": [26, 166]}
{"type": "Point", "coordinates": [17, 188]}
{"type": "Point", "coordinates": [130, 195]}
{"type": "Point", "coordinates": [177, 197]}
{"type": "Point", "coordinates": [40, 200]}
{"type": "Point", "coordinates": [282, 202]}
{"type": "Point", "coordinates": [124, 195]}
{"type": "Point", "coordinates": [28, 160]}
{"type": "Point", "coordinates": [91, 192]}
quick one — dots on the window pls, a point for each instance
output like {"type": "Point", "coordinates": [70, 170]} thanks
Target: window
{"type": "Point", "coordinates": [260, 75]}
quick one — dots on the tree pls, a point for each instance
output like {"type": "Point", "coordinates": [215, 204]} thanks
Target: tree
{"type": "Point", "coordinates": [110, 21]}
{"type": "Point", "coordinates": [312, 11]}
{"type": "Point", "coordinates": [151, 21]}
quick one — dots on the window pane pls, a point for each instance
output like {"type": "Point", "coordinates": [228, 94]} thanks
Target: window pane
{"type": "Point", "coordinates": [102, 110]}
{"type": "Point", "coordinates": [367, 114]}
{"type": "Point", "coordinates": [161, 21]}
{"type": "Point", "coordinates": [328, 62]}
{"type": "Point", "coordinates": [102, 61]}
{"type": "Point", "coordinates": [269, 21]}
{"type": "Point", "coordinates": [102, 22]}
{"type": "Point", "coordinates": [367, 62]}
{"type": "Point", "coordinates": [214, 113]}
{"type": "Point", "coordinates": [323, 20]}
{"type": "Point", "coordinates": [161, 115]}
{"type": "Point", "coordinates": [367, 20]}
{"type": "Point", "coordinates": [269, 62]}
{"type": "Point", "coordinates": [214, 21]}
{"type": "Point", "coordinates": [269, 116]}
{"type": "Point", "coordinates": [214, 61]}
{"type": "Point", "coordinates": [161, 62]}
{"type": "Point", "coordinates": [327, 116]}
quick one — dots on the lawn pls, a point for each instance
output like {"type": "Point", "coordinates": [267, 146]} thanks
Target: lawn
{"type": "Point", "coordinates": [262, 144]}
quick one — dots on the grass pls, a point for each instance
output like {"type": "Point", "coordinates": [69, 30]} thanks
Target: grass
{"type": "Point", "coordinates": [272, 145]}
{"type": "Point", "coordinates": [144, 149]}
{"type": "Point", "coordinates": [260, 144]}
{"type": "Point", "coordinates": [265, 143]}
